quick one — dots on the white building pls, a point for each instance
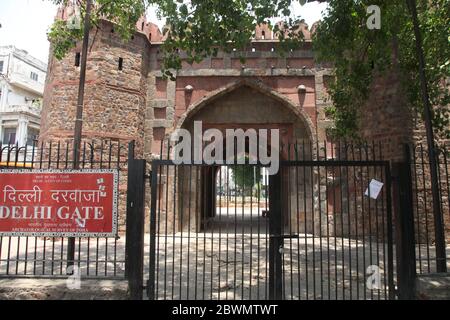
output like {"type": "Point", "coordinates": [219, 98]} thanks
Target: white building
{"type": "Point", "coordinates": [22, 79]}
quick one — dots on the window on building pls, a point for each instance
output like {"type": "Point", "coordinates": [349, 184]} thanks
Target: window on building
{"type": "Point", "coordinates": [9, 136]}
{"type": "Point", "coordinates": [1, 66]}
{"type": "Point", "coordinates": [77, 59]}
{"type": "Point", "coordinates": [32, 136]}
{"type": "Point", "coordinates": [34, 76]}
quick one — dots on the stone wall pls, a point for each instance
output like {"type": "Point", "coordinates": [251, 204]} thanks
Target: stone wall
{"type": "Point", "coordinates": [388, 121]}
{"type": "Point", "coordinates": [423, 200]}
{"type": "Point", "coordinates": [114, 104]}
{"type": "Point", "coordinates": [114, 99]}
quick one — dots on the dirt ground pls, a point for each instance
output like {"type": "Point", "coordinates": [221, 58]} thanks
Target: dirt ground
{"type": "Point", "coordinates": [227, 261]}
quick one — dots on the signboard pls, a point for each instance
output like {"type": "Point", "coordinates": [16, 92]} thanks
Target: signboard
{"type": "Point", "coordinates": [59, 203]}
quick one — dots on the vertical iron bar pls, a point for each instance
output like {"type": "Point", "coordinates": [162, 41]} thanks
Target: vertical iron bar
{"type": "Point", "coordinates": [227, 227]}
{"type": "Point", "coordinates": [405, 249]}
{"type": "Point", "coordinates": [276, 241]}
{"type": "Point", "coordinates": [289, 227]}
{"type": "Point", "coordinates": [174, 227]}
{"type": "Point", "coordinates": [151, 293]}
{"type": "Point", "coordinates": [180, 229]}
{"type": "Point", "coordinates": [328, 223]}
{"type": "Point", "coordinates": [333, 177]}
{"type": "Point", "coordinates": [417, 210]}
{"type": "Point", "coordinates": [341, 199]}
{"type": "Point", "coordinates": [79, 114]}
{"type": "Point", "coordinates": [243, 236]}
{"type": "Point", "coordinates": [259, 232]}
{"type": "Point", "coordinates": [424, 180]}
{"type": "Point", "coordinates": [212, 208]}
{"type": "Point", "coordinates": [297, 207]}
{"type": "Point", "coordinates": [441, 261]}
{"type": "Point", "coordinates": [363, 213]}
{"type": "Point", "coordinates": [197, 223]}
{"type": "Point", "coordinates": [189, 232]}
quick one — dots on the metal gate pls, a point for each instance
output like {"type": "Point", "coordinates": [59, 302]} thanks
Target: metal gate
{"type": "Point", "coordinates": [315, 230]}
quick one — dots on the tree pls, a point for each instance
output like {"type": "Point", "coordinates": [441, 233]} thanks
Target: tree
{"type": "Point", "coordinates": [246, 177]}
{"type": "Point", "coordinates": [412, 39]}
{"type": "Point", "coordinates": [359, 54]}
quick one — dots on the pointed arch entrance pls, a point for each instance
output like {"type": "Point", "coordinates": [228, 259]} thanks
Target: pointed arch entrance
{"type": "Point", "coordinates": [248, 102]}
{"type": "Point", "coordinates": [244, 105]}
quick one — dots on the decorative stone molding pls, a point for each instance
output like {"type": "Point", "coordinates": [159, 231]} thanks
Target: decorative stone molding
{"type": "Point", "coordinates": [161, 103]}
{"type": "Point", "coordinates": [246, 72]}
{"type": "Point", "coordinates": [161, 123]}
{"type": "Point", "coordinates": [259, 86]}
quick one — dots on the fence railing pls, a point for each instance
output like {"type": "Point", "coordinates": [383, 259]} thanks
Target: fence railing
{"type": "Point", "coordinates": [313, 237]}
{"type": "Point", "coordinates": [105, 257]}
{"type": "Point", "coordinates": [27, 256]}
{"type": "Point", "coordinates": [423, 206]}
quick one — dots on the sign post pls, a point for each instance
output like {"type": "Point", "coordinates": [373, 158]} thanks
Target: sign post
{"type": "Point", "coordinates": [59, 203]}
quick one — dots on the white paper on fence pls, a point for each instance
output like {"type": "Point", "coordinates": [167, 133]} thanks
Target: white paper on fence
{"type": "Point", "coordinates": [375, 187]}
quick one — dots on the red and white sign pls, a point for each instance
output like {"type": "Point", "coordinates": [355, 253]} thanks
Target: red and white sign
{"type": "Point", "coordinates": [58, 203]}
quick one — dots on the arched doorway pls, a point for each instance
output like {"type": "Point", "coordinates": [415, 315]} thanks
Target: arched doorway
{"type": "Point", "coordinates": [243, 105]}
{"type": "Point", "coordinates": [213, 241]}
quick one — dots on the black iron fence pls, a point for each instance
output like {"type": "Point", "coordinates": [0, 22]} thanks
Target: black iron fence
{"type": "Point", "coordinates": [24, 256]}
{"type": "Point", "coordinates": [313, 231]}
{"type": "Point", "coordinates": [424, 220]}
{"type": "Point", "coordinates": [316, 230]}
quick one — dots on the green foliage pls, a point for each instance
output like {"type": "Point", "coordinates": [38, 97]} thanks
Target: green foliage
{"type": "Point", "coordinates": [62, 38]}
{"type": "Point", "coordinates": [245, 178]}
{"type": "Point", "coordinates": [199, 28]}
{"type": "Point", "coordinates": [359, 54]}
{"type": "Point", "coordinates": [435, 26]}
{"type": "Point", "coordinates": [124, 13]}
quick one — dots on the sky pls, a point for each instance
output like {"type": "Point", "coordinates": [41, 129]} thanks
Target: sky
{"type": "Point", "coordinates": [24, 23]}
